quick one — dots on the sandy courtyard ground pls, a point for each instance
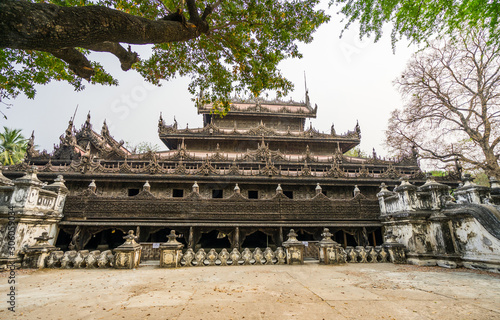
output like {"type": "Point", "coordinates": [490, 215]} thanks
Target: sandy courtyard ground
{"type": "Point", "coordinates": [311, 291]}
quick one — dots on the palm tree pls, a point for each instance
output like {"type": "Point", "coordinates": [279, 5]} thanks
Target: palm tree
{"type": "Point", "coordinates": [12, 146]}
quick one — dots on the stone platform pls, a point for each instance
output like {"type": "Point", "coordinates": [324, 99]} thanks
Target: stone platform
{"type": "Point", "coordinates": [309, 291]}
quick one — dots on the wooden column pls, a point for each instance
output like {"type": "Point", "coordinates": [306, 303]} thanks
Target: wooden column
{"type": "Point", "coordinates": [190, 243]}
{"type": "Point", "coordinates": [280, 238]}
{"type": "Point", "coordinates": [236, 238]}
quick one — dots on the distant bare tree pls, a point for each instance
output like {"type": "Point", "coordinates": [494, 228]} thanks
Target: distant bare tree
{"type": "Point", "coordinates": [451, 112]}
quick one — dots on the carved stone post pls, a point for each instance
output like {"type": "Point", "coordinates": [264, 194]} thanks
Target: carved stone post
{"type": "Point", "coordinates": [495, 190]}
{"type": "Point", "coordinates": [294, 249]}
{"type": "Point", "coordinates": [407, 194]}
{"type": "Point", "coordinates": [439, 192]}
{"type": "Point", "coordinates": [34, 256]}
{"type": "Point", "coordinates": [471, 192]}
{"type": "Point", "coordinates": [128, 255]}
{"type": "Point", "coordinates": [396, 250]}
{"type": "Point", "coordinates": [326, 248]}
{"type": "Point", "coordinates": [382, 195]}
{"type": "Point", "coordinates": [171, 252]}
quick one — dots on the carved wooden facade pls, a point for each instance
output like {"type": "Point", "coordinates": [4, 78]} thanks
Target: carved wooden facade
{"type": "Point", "coordinates": [257, 169]}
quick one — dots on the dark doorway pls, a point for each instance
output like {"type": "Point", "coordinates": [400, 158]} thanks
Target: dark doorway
{"type": "Point", "coordinates": [106, 240]}
{"type": "Point", "coordinates": [160, 236]}
{"type": "Point", "coordinates": [376, 238]}
{"type": "Point", "coordinates": [214, 239]}
{"type": "Point", "coordinates": [258, 239]}
{"type": "Point", "coordinates": [349, 240]}
{"type": "Point", "coordinates": [303, 235]}
{"type": "Point", "coordinates": [63, 240]}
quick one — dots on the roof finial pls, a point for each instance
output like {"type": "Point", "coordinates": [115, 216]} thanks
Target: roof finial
{"type": "Point", "coordinates": [305, 81]}
{"type": "Point", "coordinates": [74, 115]}
{"type": "Point", "coordinates": [87, 122]}
{"type": "Point", "coordinates": [307, 90]}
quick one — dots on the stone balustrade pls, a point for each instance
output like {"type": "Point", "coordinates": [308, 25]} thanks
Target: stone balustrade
{"type": "Point", "coordinates": [83, 259]}
{"type": "Point", "coordinates": [233, 258]}
{"type": "Point", "coordinates": [367, 254]}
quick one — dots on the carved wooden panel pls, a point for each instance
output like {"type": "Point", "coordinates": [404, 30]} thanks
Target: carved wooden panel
{"type": "Point", "coordinates": [148, 252]}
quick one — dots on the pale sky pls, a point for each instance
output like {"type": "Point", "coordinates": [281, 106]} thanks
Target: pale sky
{"type": "Point", "coordinates": [348, 79]}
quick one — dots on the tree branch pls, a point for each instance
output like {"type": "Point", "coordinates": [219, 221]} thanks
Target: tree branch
{"type": "Point", "coordinates": [127, 57]}
{"type": "Point", "coordinates": [76, 61]}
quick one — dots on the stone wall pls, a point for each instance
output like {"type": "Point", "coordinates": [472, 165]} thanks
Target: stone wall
{"type": "Point", "coordinates": [28, 208]}
{"type": "Point", "coordinates": [439, 229]}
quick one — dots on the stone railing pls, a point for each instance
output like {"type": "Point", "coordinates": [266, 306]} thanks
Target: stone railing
{"type": "Point", "coordinates": [367, 254]}
{"type": "Point", "coordinates": [233, 258]}
{"type": "Point", "coordinates": [80, 259]}
{"type": "Point", "coordinates": [44, 255]}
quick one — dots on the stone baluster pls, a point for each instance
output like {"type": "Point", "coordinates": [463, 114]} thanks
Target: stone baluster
{"type": "Point", "coordinates": [280, 256]}
{"type": "Point", "coordinates": [258, 256]}
{"type": "Point", "coordinates": [247, 257]}
{"type": "Point", "coordinates": [212, 257]}
{"type": "Point", "coordinates": [223, 257]}
{"type": "Point", "coordinates": [235, 257]}
{"type": "Point", "coordinates": [200, 257]}
{"type": "Point", "coordinates": [269, 256]}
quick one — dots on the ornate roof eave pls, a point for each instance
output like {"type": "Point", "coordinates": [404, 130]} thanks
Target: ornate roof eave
{"type": "Point", "coordinates": [320, 137]}
{"type": "Point", "coordinates": [311, 114]}
{"type": "Point", "coordinates": [261, 107]}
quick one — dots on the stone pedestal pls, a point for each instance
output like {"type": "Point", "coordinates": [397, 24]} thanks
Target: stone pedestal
{"type": "Point", "coordinates": [171, 252]}
{"type": "Point", "coordinates": [396, 250]}
{"type": "Point", "coordinates": [294, 249]}
{"type": "Point", "coordinates": [34, 256]}
{"type": "Point", "coordinates": [128, 255]}
{"type": "Point", "coordinates": [328, 249]}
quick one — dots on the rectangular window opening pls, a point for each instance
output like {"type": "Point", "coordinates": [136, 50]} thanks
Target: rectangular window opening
{"type": "Point", "coordinates": [289, 194]}
{"type": "Point", "coordinates": [217, 194]}
{"type": "Point", "coordinates": [253, 194]}
{"type": "Point", "coordinates": [177, 193]}
{"type": "Point", "coordinates": [133, 192]}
